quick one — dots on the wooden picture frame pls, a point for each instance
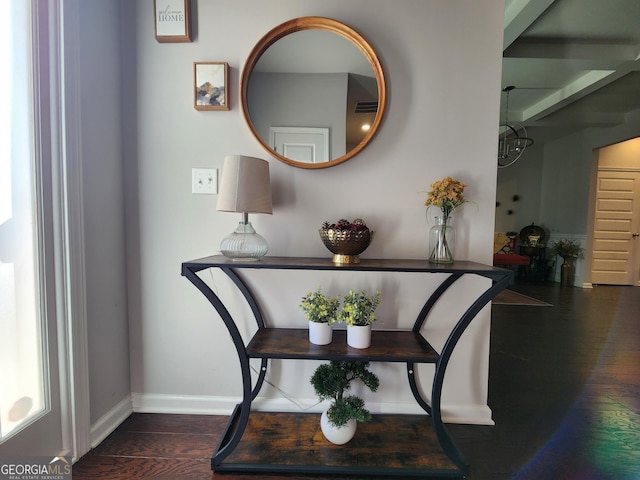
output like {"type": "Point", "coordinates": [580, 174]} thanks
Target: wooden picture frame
{"type": "Point", "coordinates": [210, 80]}
{"type": "Point", "coordinates": [172, 20]}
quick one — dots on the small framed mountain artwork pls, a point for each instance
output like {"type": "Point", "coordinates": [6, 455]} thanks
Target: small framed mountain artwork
{"type": "Point", "coordinates": [210, 86]}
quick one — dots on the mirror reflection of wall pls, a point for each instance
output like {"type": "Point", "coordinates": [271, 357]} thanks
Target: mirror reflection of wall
{"type": "Point", "coordinates": [300, 100]}
{"type": "Point", "coordinates": [346, 104]}
{"type": "Point", "coordinates": [362, 107]}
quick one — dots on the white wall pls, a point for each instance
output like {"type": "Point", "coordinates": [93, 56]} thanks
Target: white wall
{"type": "Point", "coordinates": [181, 356]}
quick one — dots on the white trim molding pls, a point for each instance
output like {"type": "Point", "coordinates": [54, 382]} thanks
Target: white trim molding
{"type": "Point", "coordinates": [110, 421]}
{"type": "Point", "coordinates": [183, 404]}
{"type": "Point", "coordinates": [214, 405]}
{"type": "Point", "coordinates": [72, 214]}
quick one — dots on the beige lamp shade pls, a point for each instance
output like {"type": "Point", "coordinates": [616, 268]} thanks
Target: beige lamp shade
{"type": "Point", "coordinates": [245, 185]}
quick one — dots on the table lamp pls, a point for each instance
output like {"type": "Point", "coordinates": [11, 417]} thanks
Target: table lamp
{"type": "Point", "coordinates": [245, 188]}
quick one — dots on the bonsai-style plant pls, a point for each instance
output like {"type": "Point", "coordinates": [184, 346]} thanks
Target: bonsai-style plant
{"type": "Point", "coordinates": [319, 308]}
{"type": "Point", "coordinates": [567, 249]}
{"type": "Point", "coordinates": [332, 380]}
{"type": "Point", "coordinates": [358, 308]}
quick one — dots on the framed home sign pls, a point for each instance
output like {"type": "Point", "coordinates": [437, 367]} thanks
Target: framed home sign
{"type": "Point", "coordinates": [210, 86]}
{"type": "Point", "coordinates": [172, 20]}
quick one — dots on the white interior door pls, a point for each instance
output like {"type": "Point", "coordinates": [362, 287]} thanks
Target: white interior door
{"type": "Point", "coordinates": [302, 144]}
{"type": "Point", "coordinates": [616, 245]}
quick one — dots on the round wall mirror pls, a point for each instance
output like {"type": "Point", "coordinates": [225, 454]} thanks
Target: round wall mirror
{"type": "Point", "coordinates": [313, 92]}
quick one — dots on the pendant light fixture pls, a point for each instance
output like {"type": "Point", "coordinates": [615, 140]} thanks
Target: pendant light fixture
{"type": "Point", "coordinates": [512, 139]}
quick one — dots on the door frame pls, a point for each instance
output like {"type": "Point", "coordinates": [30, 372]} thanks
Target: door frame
{"type": "Point", "coordinates": [76, 397]}
{"type": "Point", "coordinates": [322, 133]}
{"type": "Point", "coordinates": [591, 214]}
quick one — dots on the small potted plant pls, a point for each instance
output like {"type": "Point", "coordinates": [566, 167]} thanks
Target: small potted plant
{"type": "Point", "coordinates": [358, 313]}
{"type": "Point", "coordinates": [321, 312]}
{"type": "Point", "coordinates": [331, 381]}
{"type": "Point", "coordinates": [567, 249]}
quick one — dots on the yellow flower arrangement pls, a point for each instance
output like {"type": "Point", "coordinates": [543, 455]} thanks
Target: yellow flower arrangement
{"type": "Point", "coordinates": [446, 194]}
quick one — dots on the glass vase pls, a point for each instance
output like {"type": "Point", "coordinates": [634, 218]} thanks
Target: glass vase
{"type": "Point", "coordinates": [442, 237]}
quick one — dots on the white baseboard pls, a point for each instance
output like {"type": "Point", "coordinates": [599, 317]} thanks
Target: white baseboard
{"type": "Point", "coordinates": [193, 404]}
{"type": "Point", "coordinates": [110, 421]}
{"type": "Point", "coordinates": [468, 415]}
{"type": "Point", "coordinates": [212, 405]}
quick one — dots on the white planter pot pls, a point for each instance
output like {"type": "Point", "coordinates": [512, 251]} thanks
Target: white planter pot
{"type": "Point", "coordinates": [320, 333]}
{"type": "Point", "coordinates": [359, 336]}
{"type": "Point", "coordinates": [338, 436]}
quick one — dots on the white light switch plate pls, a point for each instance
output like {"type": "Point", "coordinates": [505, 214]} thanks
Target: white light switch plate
{"type": "Point", "coordinates": [204, 180]}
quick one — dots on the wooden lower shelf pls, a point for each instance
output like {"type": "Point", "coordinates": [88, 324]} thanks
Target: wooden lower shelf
{"type": "Point", "coordinates": [386, 346]}
{"type": "Point", "coordinates": [402, 445]}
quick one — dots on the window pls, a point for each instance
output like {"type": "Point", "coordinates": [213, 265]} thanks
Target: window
{"type": "Point", "coordinates": [23, 381]}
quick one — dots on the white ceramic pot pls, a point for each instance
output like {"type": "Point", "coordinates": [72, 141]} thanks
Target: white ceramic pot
{"type": "Point", "coordinates": [359, 336]}
{"type": "Point", "coordinates": [337, 435]}
{"type": "Point", "coordinates": [320, 333]}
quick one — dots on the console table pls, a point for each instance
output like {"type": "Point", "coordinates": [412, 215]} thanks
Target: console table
{"type": "Point", "coordinates": [405, 445]}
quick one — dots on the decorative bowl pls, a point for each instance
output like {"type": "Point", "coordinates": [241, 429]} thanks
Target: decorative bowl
{"type": "Point", "coordinates": [346, 245]}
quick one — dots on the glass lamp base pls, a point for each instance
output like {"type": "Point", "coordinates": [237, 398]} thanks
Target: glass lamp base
{"type": "Point", "coordinates": [244, 244]}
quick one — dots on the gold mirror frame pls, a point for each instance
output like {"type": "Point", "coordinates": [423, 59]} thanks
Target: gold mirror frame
{"type": "Point", "coordinates": [314, 23]}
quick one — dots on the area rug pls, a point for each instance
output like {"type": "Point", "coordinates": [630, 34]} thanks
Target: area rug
{"type": "Point", "coordinates": [509, 297]}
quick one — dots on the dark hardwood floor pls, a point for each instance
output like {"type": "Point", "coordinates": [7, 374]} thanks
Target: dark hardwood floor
{"type": "Point", "coordinates": [564, 388]}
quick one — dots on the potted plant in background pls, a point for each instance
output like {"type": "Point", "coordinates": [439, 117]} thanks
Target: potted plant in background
{"type": "Point", "coordinates": [331, 381]}
{"type": "Point", "coordinates": [322, 312]}
{"type": "Point", "coordinates": [358, 313]}
{"type": "Point", "coordinates": [567, 249]}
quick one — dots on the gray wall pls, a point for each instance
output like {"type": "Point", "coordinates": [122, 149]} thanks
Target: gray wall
{"type": "Point", "coordinates": [178, 352]}
{"type": "Point", "coordinates": [518, 194]}
{"type": "Point", "coordinates": [181, 358]}
{"type": "Point", "coordinates": [103, 191]}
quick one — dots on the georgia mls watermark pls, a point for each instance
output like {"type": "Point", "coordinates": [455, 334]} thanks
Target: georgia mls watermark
{"type": "Point", "coordinates": [35, 468]}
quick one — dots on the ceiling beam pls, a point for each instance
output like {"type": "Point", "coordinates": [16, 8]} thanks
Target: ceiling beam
{"type": "Point", "coordinates": [519, 15]}
{"type": "Point", "coordinates": [586, 84]}
{"type": "Point", "coordinates": [573, 71]}
{"type": "Point", "coordinates": [579, 88]}
{"type": "Point", "coordinates": [570, 50]}
{"type": "Point", "coordinates": [580, 119]}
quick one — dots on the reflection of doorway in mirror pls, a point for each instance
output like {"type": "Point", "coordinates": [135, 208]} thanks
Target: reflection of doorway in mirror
{"type": "Point", "coordinates": [302, 144]}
